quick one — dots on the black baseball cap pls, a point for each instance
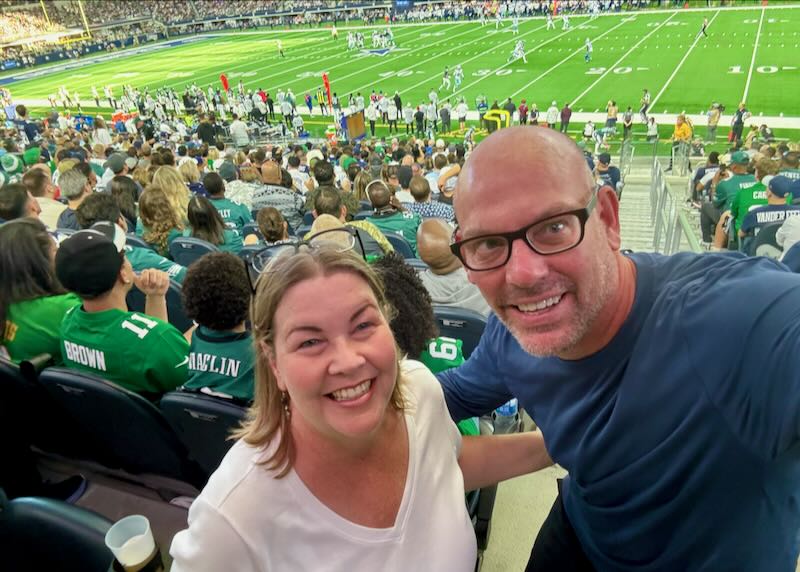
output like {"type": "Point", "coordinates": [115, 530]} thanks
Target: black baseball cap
{"type": "Point", "coordinates": [89, 261]}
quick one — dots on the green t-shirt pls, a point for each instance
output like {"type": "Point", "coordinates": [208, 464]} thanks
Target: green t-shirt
{"type": "Point", "coordinates": [32, 327]}
{"type": "Point", "coordinates": [136, 351]}
{"type": "Point", "coordinates": [223, 362]}
{"type": "Point", "coordinates": [727, 190]}
{"type": "Point", "coordinates": [143, 258]}
{"type": "Point", "coordinates": [404, 222]}
{"type": "Point", "coordinates": [445, 353]}
{"type": "Point", "coordinates": [234, 214]}
{"type": "Point", "coordinates": [746, 200]}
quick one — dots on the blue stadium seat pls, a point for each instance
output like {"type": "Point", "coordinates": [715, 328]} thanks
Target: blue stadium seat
{"type": "Point", "coordinates": [175, 313]}
{"type": "Point", "coordinates": [362, 215]}
{"type": "Point", "coordinates": [251, 228]}
{"type": "Point", "coordinates": [133, 240]}
{"type": "Point", "coordinates": [308, 218]}
{"type": "Point", "coordinates": [126, 425]}
{"type": "Point", "coordinates": [186, 249]}
{"type": "Point", "coordinates": [461, 324]}
{"type": "Point", "coordinates": [46, 534]}
{"type": "Point", "coordinates": [417, 264]}
{"type": "Point", "coordinates": [765, 242]}
{"type": "Point", "coordinates": [792, 257]}
{"type": "Point", "coordinates": [365, 205]}
{"type": "Point", "coordinates": [302, 230]}
{"type": "Point", "coordinates": [400, 245]}
{"type": "Point", "coordinates": [203, 423]}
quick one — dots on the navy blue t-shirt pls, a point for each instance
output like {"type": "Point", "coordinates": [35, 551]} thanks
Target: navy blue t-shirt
{"type": "Point", "coordinates": [759, 217]}
{"type": "Point", "coordinates": [682, 435]}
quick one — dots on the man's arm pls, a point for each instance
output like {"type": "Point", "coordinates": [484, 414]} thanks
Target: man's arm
{"type": "Point", "coordinates": [490, 459]}
{"type": "Point", "coordinates": [154, 285]}
{"type": "Point", "coordinates": [477, 386]}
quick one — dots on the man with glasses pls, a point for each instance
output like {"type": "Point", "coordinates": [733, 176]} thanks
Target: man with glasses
{"type": "Point", "coordinates": [670, 455]}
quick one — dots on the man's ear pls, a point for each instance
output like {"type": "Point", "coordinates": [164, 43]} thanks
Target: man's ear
{"type": "Point", "coordinates": [343, 213]}
{"type": "Point", "coordinates": [608, 211]}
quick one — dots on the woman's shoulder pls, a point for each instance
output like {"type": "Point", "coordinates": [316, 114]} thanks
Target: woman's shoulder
{"type": "Point", "coordinates": [419, 384]}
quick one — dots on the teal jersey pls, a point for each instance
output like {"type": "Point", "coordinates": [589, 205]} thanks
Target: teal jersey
{"type": "Point", "coordinates": [403, 222]}
{"type": "Point", "coordinates": [222, 362]}
{"type": "Point", "coordinates": [143, 258]}
{"type": "Point", "coordinates": [136, 351]}
{"type": "Point", "coordinates": [445, 353]}
{"type": "Point", "coordinates": [32, 327]}
{"type": "Point", "coordinates": [234, 214]}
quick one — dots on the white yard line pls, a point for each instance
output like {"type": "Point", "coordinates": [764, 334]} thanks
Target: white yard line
{"type": "Point", "coordinates": [461, 47]}
{"type": "Point", "coordinates": [578, 51]}
{"type": "Point", "coordinates": [400, 56]}
{"type": "Point", "coordinates": [753, 59]}
{"type": "Point", "coordinates": [675, 71]}
{"type": "Point", "coordinates": [616, 63]}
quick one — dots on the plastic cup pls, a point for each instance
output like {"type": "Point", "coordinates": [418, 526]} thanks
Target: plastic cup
{"type": "Point", "coordinates": [131, 540]}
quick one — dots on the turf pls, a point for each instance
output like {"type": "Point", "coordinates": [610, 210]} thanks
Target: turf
{"type": "Point", "coordinates": [632, 51]}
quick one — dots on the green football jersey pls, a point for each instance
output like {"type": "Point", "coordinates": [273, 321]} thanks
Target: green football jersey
{"type": "Point", "coordinates": [136, 351]}
{"type": "Point", "coordinates": [32, 327]}
{"type": "Point", "coordinates": [403, 222]}
{"type": "Point", "coordinates": [222, 362]}
{"type": "Point", "coordinates": [234, 214]}
{"type": "Point", "coordinates": [143, 258]}
{"type": "Point", "coordinates": [746, 200]}
{"type": "Point", "coordinates": [444, 353]}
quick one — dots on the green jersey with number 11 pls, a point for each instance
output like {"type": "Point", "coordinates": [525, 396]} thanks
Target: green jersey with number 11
{"type": "Point", "coordinates": [136, 351]}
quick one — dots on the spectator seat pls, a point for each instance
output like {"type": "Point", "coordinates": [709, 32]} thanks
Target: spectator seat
{"type": "Point", "coordinates": [461, 324]}
{"type": "Point", "coordinates": [175, 312]}
{"type": "Point", "coordinates": [203, 423]}
{"type": "Point", "coordinates": [126, 425]}
{"type": "Point", "coordinates": [400, 245]}
{"type": "Point", "coordinates": [133, 240]}
{"type": "Point", "coordinates": [186, 249]}
{"type": "Point", "coordinates": [47, 534]}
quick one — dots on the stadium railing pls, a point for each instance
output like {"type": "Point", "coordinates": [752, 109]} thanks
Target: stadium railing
{"type": "Point", "coordinates": [672, 231]}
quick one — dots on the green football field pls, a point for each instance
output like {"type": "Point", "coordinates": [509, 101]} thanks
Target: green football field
{"type": "Point", "coordinates": [749, 55]}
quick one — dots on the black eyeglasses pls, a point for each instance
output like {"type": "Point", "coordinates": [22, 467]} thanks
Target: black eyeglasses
{"type": "Point", "coordinates": [552, 235]}
{"type": "Point", "coordinates": [341, 239]}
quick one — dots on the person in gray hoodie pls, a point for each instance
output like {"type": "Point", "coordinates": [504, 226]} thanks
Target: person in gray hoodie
{"type": "Point", "coordinates": [446, 280]}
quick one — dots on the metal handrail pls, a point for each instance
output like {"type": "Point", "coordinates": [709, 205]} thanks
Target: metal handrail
{"type": "Point", "coordinates": [672, 230]}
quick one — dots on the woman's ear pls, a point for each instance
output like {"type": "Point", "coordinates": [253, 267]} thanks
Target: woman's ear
{"type": "Point", "coordinates": [269, 354]}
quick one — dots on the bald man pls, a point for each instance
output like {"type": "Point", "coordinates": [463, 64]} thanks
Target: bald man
{"type": "Point", "coordinates": [446, 280]}
{"type": "Point", "coordinates": [271, 194]}
{"type": "Point", "coordinates": [387, 215]}
{"type": "Point", "coordinates": [671, 453]}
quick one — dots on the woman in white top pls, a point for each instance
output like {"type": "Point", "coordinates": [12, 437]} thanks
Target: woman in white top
{"type": "Point", "coordinates": [101, 134]}
{"type": "Point", "coordinates": [349, 460]}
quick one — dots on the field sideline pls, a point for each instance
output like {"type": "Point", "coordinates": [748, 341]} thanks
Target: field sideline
{"type": "Point", "coordinates": [749, 55]}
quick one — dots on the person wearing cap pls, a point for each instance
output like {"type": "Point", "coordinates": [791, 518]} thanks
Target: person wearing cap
{"type": "Point", "coordinates": [12, 166]}
{"type": "Point", "coordinates": [141, 352]}
{"type": "Point", "coordinates": [103, 207]}
{"type": "Point", "coordinates": [40, 186]}
{"type": "Point", "coordinates": [775, 211]}
{"type": "Point", "coordinates": [75, 187]}
{"type": "Point", "coordinates": [607, 174]}
{"type": "Point", "coordinates": [233, 214]}
{"type": "Point", "coordinates": [669, 452]}
{"type": "Point", "coordinates": [114, 165]}
{"type": "Point", "coordinates": [445, 279]}
{"type": "Point", "coordinates": [723, 192]}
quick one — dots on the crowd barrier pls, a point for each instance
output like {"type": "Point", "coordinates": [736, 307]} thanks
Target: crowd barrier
{"type": "Point", "coordinates": [672, 231]}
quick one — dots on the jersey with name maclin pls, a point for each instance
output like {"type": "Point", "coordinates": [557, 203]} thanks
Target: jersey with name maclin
{"type": "Point", "coordinates": [136, 351]}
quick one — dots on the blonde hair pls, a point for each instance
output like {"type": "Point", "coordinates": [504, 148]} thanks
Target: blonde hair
{"type": "Point", "coordinates": [158, 217]}
{"type": "Point", "coordinates": [360, 185]}
{"type": "Point", "coordinates": [142, 175]}
{"type": "Point", "coordinates": [189, 171]}
{"type": "Point", "coordinates": [266, 418]}
{"type": "Point", "coordinates": [170, 180]}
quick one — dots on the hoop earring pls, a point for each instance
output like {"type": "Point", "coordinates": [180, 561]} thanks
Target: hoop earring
{"type": "Point", "coordinates": [285, 403]}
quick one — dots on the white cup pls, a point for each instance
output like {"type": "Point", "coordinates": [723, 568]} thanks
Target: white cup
{"type": "Point", "coordinates": [131, 540]}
